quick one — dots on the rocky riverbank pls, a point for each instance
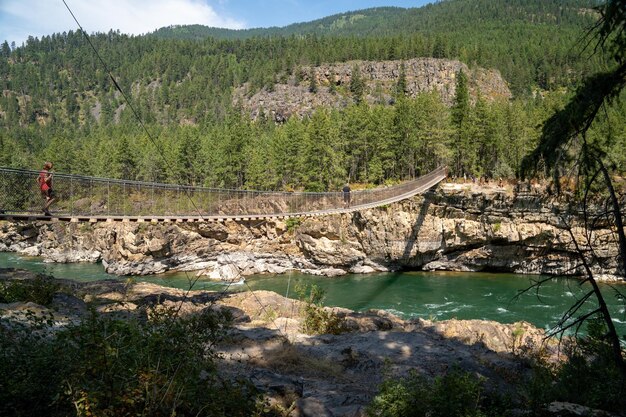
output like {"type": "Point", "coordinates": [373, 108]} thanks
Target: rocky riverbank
{"type": "Point", "coordinates": [319, 375]}
{"type": "Point", "coordinates": [457, 227]}
{"type": "Point", "coordinates": [298, 374]}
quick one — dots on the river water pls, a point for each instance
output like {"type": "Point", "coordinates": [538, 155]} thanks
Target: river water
{"type": "Point", "coordinates": [440, 295]}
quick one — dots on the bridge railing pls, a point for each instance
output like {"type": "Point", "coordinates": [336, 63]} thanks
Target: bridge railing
{"type": "Point", "coordinates": [78, 195]}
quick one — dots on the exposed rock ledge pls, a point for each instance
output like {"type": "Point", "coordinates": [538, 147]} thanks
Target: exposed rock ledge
{"type": "Point", "coordinates": [324, 375]}
{"type": "Point", "coordinates": [292, 96]}
{"type": "Point", "coordinates": [456, 227]}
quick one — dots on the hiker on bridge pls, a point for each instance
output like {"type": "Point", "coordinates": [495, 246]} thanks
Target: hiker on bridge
{"type": "Point", "coordinates": [346, 195]}
{"type": "Point", "coordinates": [45, 185]}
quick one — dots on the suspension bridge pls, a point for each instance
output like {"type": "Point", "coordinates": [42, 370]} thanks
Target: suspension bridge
{"type": "Point", "coordinates": [92, 199]}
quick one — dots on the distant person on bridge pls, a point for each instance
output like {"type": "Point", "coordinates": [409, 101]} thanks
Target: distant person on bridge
{"type": "Point", "coordinates": [346, 195]}
{"type": "Point", "coordinates": [45, 185]}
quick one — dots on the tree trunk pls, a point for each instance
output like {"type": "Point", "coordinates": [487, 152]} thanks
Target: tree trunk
{"type": "Point", "coordinates": [617, 214]}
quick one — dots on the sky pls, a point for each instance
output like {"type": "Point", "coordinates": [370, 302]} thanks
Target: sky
{"type": "Point", "coordinates": [20, 19]}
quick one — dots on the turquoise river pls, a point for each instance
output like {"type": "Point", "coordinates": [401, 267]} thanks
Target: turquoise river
{"type": "Point", "coordinates": [441, 295]}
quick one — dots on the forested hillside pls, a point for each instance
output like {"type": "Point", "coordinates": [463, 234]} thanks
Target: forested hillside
{"type": "Point", "coordinates": [532, 42]}
{"type": "Point", "coordinates": [58, 103]}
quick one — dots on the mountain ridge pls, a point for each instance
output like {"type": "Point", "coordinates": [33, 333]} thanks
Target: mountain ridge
{"type": "Point", "coordinates": [197, 31]}
{"type": "Point", "coordinates": [390, 21]}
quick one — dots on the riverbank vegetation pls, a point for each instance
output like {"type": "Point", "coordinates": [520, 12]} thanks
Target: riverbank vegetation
{"type": "Point", "coordinates": [161, 364]}
{"type": "Point", "coordinates": [587, 376]}
{"type": "Point", "coordinates": [109, 358]}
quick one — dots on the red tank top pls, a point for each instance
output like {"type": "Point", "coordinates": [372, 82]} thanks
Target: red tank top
{"type": "Point", "coordinates": [43, 184]}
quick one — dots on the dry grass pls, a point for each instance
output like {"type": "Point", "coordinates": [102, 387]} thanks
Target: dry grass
{"type": "Point", "coordinates": [288, 359]}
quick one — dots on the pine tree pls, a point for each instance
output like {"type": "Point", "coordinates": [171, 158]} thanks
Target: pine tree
{"type": "Point", "coordinates": [186, 162]}
{"type": "Point", "coordinates": [322, 159]}
{"type": "Point", "coordinates": [5, 51]}
{"type": "Point", "coordinates": [332, 85]}
{"type": "Point", "coordinates": [401, 86]}
{"type": "Point", "coordinates": [357, 85]}
{"type": "Point", "coordinates": [464, 154]}
{"type": "Point", "coordinates": [124, 163]}
{"type": "Point", "coordinates": [313, 82]}
{"type": "Point", "coordinates": [571, 126]}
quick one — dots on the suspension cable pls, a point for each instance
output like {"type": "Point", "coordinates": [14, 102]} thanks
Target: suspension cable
{"type": "Point", "coordinates": [129, 102]}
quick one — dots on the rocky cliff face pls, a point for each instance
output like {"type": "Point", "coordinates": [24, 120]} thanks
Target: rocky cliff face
{"type": "Point", "coordinates": [292, 96]}
{"type": "Point", "coordinates": [456, 227]}
{"type": "Point", "coordinates": [460, 228]}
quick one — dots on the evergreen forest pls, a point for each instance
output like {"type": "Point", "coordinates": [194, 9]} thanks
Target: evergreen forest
{"type": "Point", "coordinates": [177, 121]}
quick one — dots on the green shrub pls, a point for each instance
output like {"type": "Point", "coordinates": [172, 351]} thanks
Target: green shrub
{"type": "Point", "coordinates": [456, 394]}
{"type": "Point", "coordinates": [588, 377]}
{"type": "Point", "coordinates": [40, 290]}
{"type": "Point", "coordinates": [32, 368]}
{"type": "Point", "coordinates": [162, 366]}
{"type": "Point", "coordinates": [400, 398]}
{"type": "Point", "coordinates": [293, 223]}
{"type": "Point", "coordinates": [317, 320]}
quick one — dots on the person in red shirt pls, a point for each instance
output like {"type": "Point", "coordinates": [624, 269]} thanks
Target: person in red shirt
{"type": "Point", "coordinates": [45, 185]}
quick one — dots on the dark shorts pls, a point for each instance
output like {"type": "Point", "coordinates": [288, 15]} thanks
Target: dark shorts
{"type": "Point", "coordinates": [346, 197]}
{"type": "Point", "coordinates": [47, 193]}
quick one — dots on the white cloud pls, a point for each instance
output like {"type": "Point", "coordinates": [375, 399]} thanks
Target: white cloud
{"type": "Point", "coordinates": [21, 18]}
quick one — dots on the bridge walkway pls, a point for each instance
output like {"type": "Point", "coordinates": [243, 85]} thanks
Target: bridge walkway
{"type": "Point", "coordinates": [93, 199]}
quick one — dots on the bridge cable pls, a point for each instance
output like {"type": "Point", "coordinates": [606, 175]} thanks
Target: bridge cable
{"type": "Point", "coordinates": [129, 102]}
{"type": "Point", "coordinates": [150, 137]}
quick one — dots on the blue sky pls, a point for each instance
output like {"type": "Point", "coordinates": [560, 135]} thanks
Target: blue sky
{"type": "Point", "coordinates": [22, 18]}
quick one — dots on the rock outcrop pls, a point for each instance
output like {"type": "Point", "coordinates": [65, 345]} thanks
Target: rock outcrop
{"type": "Point", "coordinates": [293, 96]}
{"type": "Point", "coordinates": [459, 227]}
